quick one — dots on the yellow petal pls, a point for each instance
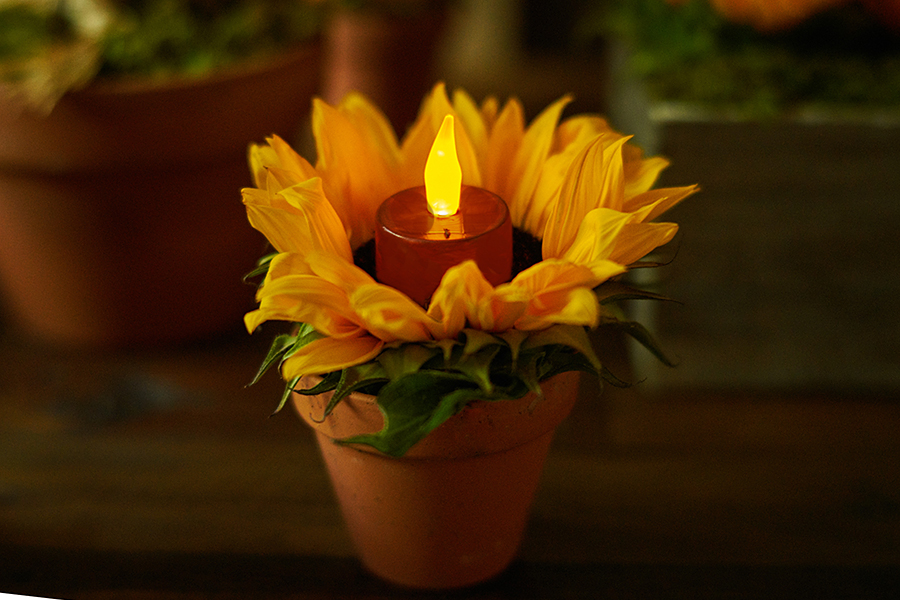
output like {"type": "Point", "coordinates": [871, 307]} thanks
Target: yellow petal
{"type": "Point", "coordinates": [366, 117]}
{"type": "Point", "coordinates": [260, 158]}
{"type": "Point", "coordinates": [470, 116]}
{"type": "Point", "coordinates": [277, 155]}
{"type": "Point", "coordinates": [572, 136]}
{"type": "Point", "coordinates": [318, 223]}
{"type": "Point", "coordinates": [489, 110]}
{"type": "Point", "coordinates": [598, 232]}
{"type": "Point", "coordinates": [639, 239]}
{"type": "Point", "coordinates": [277, 223]}
{"type": "Point", "coordinates": [290, 160]}
{"type": "Point", "coordinates": [577, 132]}
{"type": "Point", "coordinates": [297, 219]}
{"type": "Point", "coordinates": [466, 298]}
{"type": "Point", "coordinates": [576, 306]}
{"type": "Point", "coordinates": [553, 287]}
{"type": "Point", "coordinates": [389, 314]}
{"type": "Point", "coordinates": [337, 270]}
{"type": "Point", "coordinates": [326, 355]}
{"type": "Point", "coordinates": [641, 174]}
{"type": "Point", "coordinates": [308, 299]}
{"type": "Point", "coordinates": [357, 175]}
{"type": "Point", "coordinates": [533, 151]}
{"type": "Point", "coordinates": [503, 143]}
{"type": "Point", "coordinates": [594, 179]}
{"type": "Point", "coordinates": [651, 204]}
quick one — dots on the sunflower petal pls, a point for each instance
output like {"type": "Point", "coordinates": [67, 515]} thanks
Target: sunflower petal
{"type": "Point", "coordinates": [278, 155]}
{"type": "Point", "coordinates": [533, 151]}
{"type": "Point", "coordinates": [640, 173]}
{"type": "Point", "coordinates": [319, 224]}
{"type": "Point", "coordinates": [552, 288]}
{"type": "Point", "coordinates": [470, 116]}
{"type": "Point", "coordinates": [594, 180]}
{"type": "Point", "coordinates": [598, 232]}
{"type": "Point", "coordinates": [357, 170]}
{"type": "Point", "coordinates": [639, 239]}
{"type": "Point", "coordinates": [327, 354]}
{"type": "Point", "coordinates": [308, 299]}
{"type": "Point", "coordinates": [503, 141]}
{"type": "Point", "coordinates": [466, 298]}
{"type": "Point", "coordinates": [390, 315]}
{"type": "Point", "coordinates": [420, 137]}
{"type": "Point", "coordinates": [649, 205]}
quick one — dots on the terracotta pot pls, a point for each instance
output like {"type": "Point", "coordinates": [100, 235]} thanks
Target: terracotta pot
{"type": "Point", "coordinates": [452, 511]}
{"type": "Point", "coordinates": [388, 57]}
{"type": "Point", "coordinates": [121, 221]}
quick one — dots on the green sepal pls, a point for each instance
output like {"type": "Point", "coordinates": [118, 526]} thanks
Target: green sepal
{"type": "Point", "coordinates": [477, 366]}
{"type": "Point", "coordinates": [406, 358]}
{"type": "Point", "coordinates": [326, 384]}
{"type": "Point", "coordinates": [284, 345]}
{"type": "Point", "coordinates": [286, 394]}
{"type": "Point", "coordinates": [281, 344]}
{"type": "Point", "coordinates": [614, 291]}
{"type": "Point", "coordinates": [643, 336]}
{"type": "Point", "coordinates": [514, 339]}
{"type": "Point", "coordinates": [261, 269]}
{"type": "Point", "coordinates": [571, 336]}
{"type": "Point", "coordinates": [355, 378]}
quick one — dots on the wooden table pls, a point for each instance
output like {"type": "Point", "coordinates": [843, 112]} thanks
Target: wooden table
{"type": "Point", "coordinates": [158, 474]}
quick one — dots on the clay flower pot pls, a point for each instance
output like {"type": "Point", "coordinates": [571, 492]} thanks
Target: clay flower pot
{"type": "Point", "coordinates": [388, 57]}
{"type": "Point", "coordinates": [121, 220]}
{"type": "Point", "coordinates": [452, 511]}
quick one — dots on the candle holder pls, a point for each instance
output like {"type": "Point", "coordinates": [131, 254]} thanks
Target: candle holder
{"type": "Point", "coordinates": [415, 248]}
{"type": "Point", "coordinates": [481, 371]}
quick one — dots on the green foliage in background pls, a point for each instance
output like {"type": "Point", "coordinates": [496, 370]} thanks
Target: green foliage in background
{"type": "Point", "coordinates": [689, 53]}
{"type": "Point", "coordinates": [163, 36]}
{"type": "Point", "coordinates": [154, 36]}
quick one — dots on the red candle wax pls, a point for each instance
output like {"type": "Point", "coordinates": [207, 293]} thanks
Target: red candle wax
{"type": "Point", "coordinates": [414, 248]}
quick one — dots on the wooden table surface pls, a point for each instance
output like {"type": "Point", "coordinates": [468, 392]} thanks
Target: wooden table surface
{"type": "Point", "coordinates": [158, 474]}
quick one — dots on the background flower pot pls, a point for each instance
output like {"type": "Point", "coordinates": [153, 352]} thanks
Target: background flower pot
{"type": "Point", "coordinates": [387, 54]}
{"type": "Point", "coordinates": [451, 512]}
{"type": "Point", "coordinates": [120, 214]}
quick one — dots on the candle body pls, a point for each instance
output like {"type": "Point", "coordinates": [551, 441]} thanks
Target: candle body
{"type": "Point", "coordinates": [413, 248]}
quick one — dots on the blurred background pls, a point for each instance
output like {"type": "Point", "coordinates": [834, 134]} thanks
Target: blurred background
{"type": "Point", "coordinates": [125, 425]}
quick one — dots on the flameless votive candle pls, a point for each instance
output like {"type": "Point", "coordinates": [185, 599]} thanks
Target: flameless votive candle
{"type": "Point", "coordinates": [423, 231]}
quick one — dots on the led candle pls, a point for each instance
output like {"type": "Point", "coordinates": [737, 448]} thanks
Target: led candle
{"type": "Point", "coordinates": [423, 231]}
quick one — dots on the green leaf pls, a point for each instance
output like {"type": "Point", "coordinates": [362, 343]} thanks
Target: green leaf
{"type": "Point", "coordinates": [415, 405]}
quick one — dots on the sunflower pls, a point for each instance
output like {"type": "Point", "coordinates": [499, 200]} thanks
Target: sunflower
{"type": "Point", "coordinates": [577, 191]}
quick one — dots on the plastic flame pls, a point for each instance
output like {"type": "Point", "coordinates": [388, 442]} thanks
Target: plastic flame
{"type": "Point", "coordinates": [443, 175]}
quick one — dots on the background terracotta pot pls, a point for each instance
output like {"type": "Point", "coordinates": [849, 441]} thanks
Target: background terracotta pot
{"type": "Point", "coordinates": [452, 511]}
{"type": "Point", "coordinates": [120, 214]}
{"type": "Point", "coordinates": [389, 57]}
